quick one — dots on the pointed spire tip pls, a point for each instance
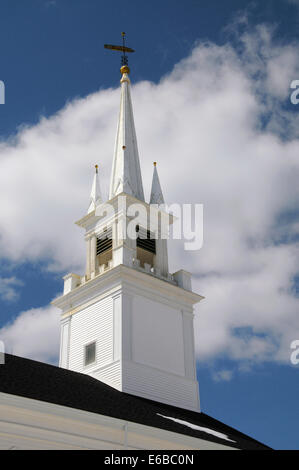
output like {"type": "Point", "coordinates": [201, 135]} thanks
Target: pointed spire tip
{"type": "Point", "coordinates": [95, 195]}
{"type": "Point", "coordinates": [156, 192]}
{"type": "Point", "coordinates": [126, 173]}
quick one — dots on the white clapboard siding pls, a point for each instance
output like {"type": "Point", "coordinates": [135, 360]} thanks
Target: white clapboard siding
{"type": "Point", "coordinates": [158, 385]}
{"type": "Point", "coordinates": [93, 323]}
{"type": "Point", "coordinates": [110, 375]}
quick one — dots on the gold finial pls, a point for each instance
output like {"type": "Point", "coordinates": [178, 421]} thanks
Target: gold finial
{"type": "Point", "coordinates": [155, 163]}
{"type": "Point", "coordinates": [123, 34]}
{"type": "Point", "coordinates": [97, 168]}
{"type": "Point", "coordinates": [124, 69]}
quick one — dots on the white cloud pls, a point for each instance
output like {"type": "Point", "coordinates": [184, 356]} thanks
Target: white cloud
{"type": "Point", "coordinates": [214, 125]}
{"type": "Point", "coordinates": [8, 288]}
{"type": "Point", "coordinates": [251, 315]}
{"type": "Point", "coordinates": [33, 334]}
{"type": "Point", "coordinates": [222, 375]}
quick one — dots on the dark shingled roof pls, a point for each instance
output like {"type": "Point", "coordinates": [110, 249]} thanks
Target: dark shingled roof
{"type": "Point", "coordinates": [39, 381]}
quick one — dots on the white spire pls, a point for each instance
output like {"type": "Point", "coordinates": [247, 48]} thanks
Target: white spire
{"type": "Point", "coordinates": [156, 192]}
{"type": "Point", "coordinates": [126, 174]}
{"type": "Point", "coordinates": [95, 195]}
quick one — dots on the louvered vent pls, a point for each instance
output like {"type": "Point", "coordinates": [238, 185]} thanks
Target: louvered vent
{"type": "Point", "coordinates": [145, 240]}
{"type": "Point", "coordinates": [104, 242]}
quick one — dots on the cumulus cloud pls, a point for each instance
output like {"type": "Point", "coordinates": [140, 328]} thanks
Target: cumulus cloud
{"type": "Point", "coordinates": [9, 288]}
{"type": "Point", "coordinates": [222, 375]}
{"type": "Point", "coordinates": [33, 334]}
{"type": "Point", "coordinates": [220, 130]}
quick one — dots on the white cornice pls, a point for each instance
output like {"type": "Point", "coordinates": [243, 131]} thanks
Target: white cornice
{"type": "Point", "coordinates": [136, 279]}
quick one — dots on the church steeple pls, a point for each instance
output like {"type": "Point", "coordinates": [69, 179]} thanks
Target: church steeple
{"type": "Point", "coordinates": [126, 174]}
{"type": "Point", "coordinates": [128, 321]}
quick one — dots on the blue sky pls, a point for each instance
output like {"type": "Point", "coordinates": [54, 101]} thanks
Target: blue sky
{"type": "Point", "coordinates": [239, 57]}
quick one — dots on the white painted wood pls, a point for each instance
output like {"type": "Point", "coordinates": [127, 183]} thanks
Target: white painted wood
{"type": "Point", "coordinates": [156, 191]}
{"type": "Point", "coordinates": [88, 257]}
{"type": "Point", "coordinates": [126, 173]}
{"type": "Point", "coordinates": [189, 352]}
{"type": "Point", "coordinates": [133, 311]}
{"type": "Point", "coordinates": [157, 385]}
{"type": "Point", "coordinates": [110, 374]}
{"type": "Point", "coordinates": [94, 323]}
{"type": "Point", "coordinates": [161, 258]}
{"type": "Point", "coordinates": [71, 281]}
{"type": "Point", "coordinates": [31, 424]}
{"type": "Point", "coordinates": [126, 319]}
{"type": "Point", "coordinates": [183, 279]}
{"type": "Point", "coordinates": [95, 195]}
{"type": "Point", "coordinates": [64, 343]}
{"type": "Point", "coordinates": [116, 328]}
{"type": "Point", "coordinates": [144, 343]}
{"type": "Point", "coordinates": [93, 253]}
{"type": "Point", "coordinates": [157, 336]}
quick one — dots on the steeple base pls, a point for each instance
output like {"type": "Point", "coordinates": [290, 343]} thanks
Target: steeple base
{"type": "Point", "coordinates": [140, 330]}
{"type": "Point", "coordinates": [151, 383]}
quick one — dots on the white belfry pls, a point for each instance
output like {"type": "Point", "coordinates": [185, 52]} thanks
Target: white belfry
{"type": "Point", "coordinates": [126, 174]}
{"type": "Point", "coordinates": [95, 195]}
{"type": "Point", "coordinates": [156, 192]}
